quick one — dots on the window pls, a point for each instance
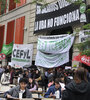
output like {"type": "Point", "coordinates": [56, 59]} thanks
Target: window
{"type": "Point", "coordinates": [19, 32]}
{"type": "Point", "coordinates": [10, 32]}
{"type": "Point", "coordinates": [2, 29]}
{"type": "Point", "coordinates": [12, 5]}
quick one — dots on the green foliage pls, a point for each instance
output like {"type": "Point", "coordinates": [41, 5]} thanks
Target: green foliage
{"type": "Point", "coordinates": [38, 1]}
{"type": "Point", "coordinates": [74, 66]}
{"type": "Point", "coordinates": [34, 1]}
{"type": "Point", "coordinates": [17, 1]}
{"type": "Point", "coordinates": [78, 2]}
{"type": "Point", "coordinates": [3, 6]}
{"type": "Point", "coordinates": [68, 32]}
{"type": "Point", "coordinates": [43, 2]}
{"type": "Point", "coordinates": [84, 47]}
{"type": "Point", "coordinates": [87, 26]}
{"type": "Point", "coordinates": [88, 11]}
{"type": "Point", "coordinates": [86, 52]}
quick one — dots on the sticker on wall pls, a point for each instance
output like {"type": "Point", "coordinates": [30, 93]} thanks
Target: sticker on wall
{"type": "Point", "coordinates": [82, 8]}
{"type": "Point", "coordinates": [2, 56]}
{"type": "Point", "coordinates": [83, 17]}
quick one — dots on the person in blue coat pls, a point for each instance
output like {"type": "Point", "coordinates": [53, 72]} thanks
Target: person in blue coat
{"type": "Point", "coordinates": [52, 90]}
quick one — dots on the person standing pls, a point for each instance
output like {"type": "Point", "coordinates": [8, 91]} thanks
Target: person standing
{"type": "Point", "coordinates": [79, 88]}
{"type": "Point", "coordinates": [12, 74]}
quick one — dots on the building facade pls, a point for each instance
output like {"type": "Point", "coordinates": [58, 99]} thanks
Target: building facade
{"type": "Point", "coordinates": [17, 25]}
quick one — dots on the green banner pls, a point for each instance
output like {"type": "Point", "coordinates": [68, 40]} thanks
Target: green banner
{"type": "Point", "coordinates": [7, 48]}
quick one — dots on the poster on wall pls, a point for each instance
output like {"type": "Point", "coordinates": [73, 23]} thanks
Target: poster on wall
{"type": "Point", "coordinates": [22, 54]}
{"type": "Point", "coordinates": [7, 48]}
{"type": "Point", "coordinates": [59, 15]}
{"type": "Point", "coordinates": [53, 52]}
{"type": "Point", "coordinates": [83, 59]}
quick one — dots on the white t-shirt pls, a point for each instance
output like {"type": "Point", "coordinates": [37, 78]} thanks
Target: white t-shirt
{"type": "Point", "coordinates": [62, 85]}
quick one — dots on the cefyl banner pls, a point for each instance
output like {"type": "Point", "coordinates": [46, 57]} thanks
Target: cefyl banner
{"type": "Point", "coordinates": [7, 48]}
{"type": "Point", "coordinates": [53, 52]}
{"type": "Point", "coordinates": [55, 46]}
{"type": "Point", "coordinates": [22, 54]}
{"type": "Point", "coordinates": [59, 14]}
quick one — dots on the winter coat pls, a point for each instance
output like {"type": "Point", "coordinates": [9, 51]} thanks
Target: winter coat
{"type": "Point", "coordinates": [14, 92]}
{"type": "Point", "coordinates": [80, 91]}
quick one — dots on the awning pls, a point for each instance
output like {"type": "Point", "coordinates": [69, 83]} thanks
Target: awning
{"type": "Point", "coordinates": [83, 59]}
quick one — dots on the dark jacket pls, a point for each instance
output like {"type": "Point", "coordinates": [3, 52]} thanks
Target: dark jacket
{"type": "Point", "coordinates": [52, 90]}
{"type": "Point", "coordinates": [14, 92]}
{"type": "Point", "coordinates": [75, 91]}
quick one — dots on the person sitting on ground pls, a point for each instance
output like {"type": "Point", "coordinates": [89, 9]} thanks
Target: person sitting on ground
{"type": "Point", "coordinates": [79, 88]}
{"type": "Point", "coordinates": [62, 82]}
{"type": "Point", "coordinates": [14, 92]}
{"type": "Point", "coordinates": [5, 78]}
{"type": "Point", "coordinates": [26, 73]}
{"type": "Point", "coordinates": [51, 93]}
{"type": "Point", "coordinates": [32, 86]}
{"type": "Point", "coordinates": [36, 75]}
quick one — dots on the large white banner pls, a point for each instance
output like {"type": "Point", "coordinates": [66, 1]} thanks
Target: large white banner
{"type": "Point", "coordinates": [55, 46]}
{"type": "Point", "coordinates": [53, 52]}
{"type": "Point", "coordinates": [22, 54]}
{"type": "Point", "coordinates": [51, 60]}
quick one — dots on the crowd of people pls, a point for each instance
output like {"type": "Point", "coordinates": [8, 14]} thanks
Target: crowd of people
{"type": "Point", "coordinates": [57, 83]}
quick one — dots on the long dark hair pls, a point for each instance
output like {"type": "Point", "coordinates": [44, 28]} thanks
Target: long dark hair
{"type": "Point", "coordinates": [33, 83]}
{"type": "Point", "coordinates": [80, 75]}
